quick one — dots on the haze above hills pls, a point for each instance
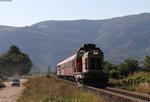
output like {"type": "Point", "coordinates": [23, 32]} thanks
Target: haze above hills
{"type": "Point", "coordinates": [49, 42]}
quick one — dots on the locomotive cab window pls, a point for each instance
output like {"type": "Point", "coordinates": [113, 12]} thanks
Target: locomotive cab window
{"type": "Point", "coordinates": [81, 53]}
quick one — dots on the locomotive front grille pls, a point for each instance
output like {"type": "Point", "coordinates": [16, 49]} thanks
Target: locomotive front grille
{"type": "Point", "coordinates": [95, 63]}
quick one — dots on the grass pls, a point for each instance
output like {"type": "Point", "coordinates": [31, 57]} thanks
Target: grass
{"type": "Point", "coordinates": [52, 90]}
{"type": "Point", "coordinates": [44, 74]}
{"type": "Point", "coordinates": [28, 77]}
{"type": "Point", "coordinates": [140, 89]}
{"type": "Point", "coordinates": [137, 82]}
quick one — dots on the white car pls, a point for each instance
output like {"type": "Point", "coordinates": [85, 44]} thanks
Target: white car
{"type": "Point", "coordinates": [15, 82]}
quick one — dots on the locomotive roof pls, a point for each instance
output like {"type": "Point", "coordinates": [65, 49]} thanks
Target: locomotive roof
{"type": "Point", "coordinates": [66, 60]}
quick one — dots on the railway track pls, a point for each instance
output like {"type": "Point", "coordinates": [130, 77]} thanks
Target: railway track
{"type": "Point", "coordinates": [115, 95]}
{"type": "Point", "coordinates": [143, 97]}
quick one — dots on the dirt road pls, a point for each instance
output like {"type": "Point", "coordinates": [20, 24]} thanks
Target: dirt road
{"type": "Point", "coordinates": [10, 94]}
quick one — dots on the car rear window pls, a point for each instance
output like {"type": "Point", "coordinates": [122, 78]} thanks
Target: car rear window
{"type": "Point", "coordinates": [15, 80]}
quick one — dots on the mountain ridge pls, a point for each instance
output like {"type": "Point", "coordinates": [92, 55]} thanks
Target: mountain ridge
{"type": "Point", "coordinates": [50, 42]}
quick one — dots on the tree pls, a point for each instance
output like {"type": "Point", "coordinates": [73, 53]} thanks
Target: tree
{"type": "Point", "coordinates": [107, 66]}
{"type": "Point", "coordinates": [147, 63]}
{"type": "Point", "coordinates": [112, 69]}
{"type": "Point", "coordinates": [48, 75]}
{"type": "Point", "coordinates": [14, 62]}
{"type": "Point", "coordinates": [14, 49]}
{"type": "Point", "coordinates": [128, 67]}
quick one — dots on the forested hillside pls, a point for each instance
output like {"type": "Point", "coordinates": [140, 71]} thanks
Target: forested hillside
{"type": "Point", "coordinates": [49, 42]}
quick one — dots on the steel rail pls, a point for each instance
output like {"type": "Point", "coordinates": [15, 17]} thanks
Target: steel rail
{"type": "Point", "coordinates": [130, 93]}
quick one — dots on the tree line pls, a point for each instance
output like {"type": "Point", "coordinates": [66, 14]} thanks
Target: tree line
{"type": "Point", "coordinates": [14, 62]}
{"type": "Point", "coordinates": [126, 68]}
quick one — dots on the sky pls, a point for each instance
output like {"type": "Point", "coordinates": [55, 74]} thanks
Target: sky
{"type": "Point", "coordinates": [27, 12]}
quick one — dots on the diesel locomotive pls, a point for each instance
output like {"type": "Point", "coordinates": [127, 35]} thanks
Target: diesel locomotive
{"type": "Point", "coordinates": [85, 67]}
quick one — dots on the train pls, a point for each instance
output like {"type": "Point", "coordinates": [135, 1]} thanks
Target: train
{"type": "Point", "coordinates": [84, 67]}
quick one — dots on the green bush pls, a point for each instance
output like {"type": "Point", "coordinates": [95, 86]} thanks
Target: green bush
{"type": "Point", "coordinates": [114, 74]}
{"type": "Point", "coordinates": [48, 75]}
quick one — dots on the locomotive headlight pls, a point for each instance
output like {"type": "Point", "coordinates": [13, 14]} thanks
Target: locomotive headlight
{"type": "Point", "coordinates": [95, 53]}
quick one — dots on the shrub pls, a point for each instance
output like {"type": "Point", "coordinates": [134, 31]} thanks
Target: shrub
{"type": "Point", "coordinates": [137, 78]}
{"type": "Point", "coordinates": [48, 75]}
{"type": "Point", "coordinates": [1, 85]}
{"type": "Point", "coordinates": [114, 74]}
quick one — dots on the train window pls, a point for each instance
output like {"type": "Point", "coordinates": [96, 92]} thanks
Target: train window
{"type": "Point", "coordinates": [69, 64]}
{"type": "Point", "coordinates": [81, 53]}
{"type": "Point", "coordinates": [58, 66]}
{"type": "Point", "coordinates": [86, 66]}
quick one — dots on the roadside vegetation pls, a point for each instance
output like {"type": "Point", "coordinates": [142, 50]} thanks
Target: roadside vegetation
{"type": "Point", "coordinates": [53, 90]}
{"type": "Point", "coordinates": [130, 75]}
{"type": "Point", "coordinates": [1, 85]}
{"type": "Point", "coordinates": [138, 82]}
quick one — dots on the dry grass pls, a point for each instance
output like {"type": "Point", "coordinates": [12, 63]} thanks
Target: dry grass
{"type": "Point", "coordinates": [140, 89]}
{"type": "Point", "coordinates": [52, 90]}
